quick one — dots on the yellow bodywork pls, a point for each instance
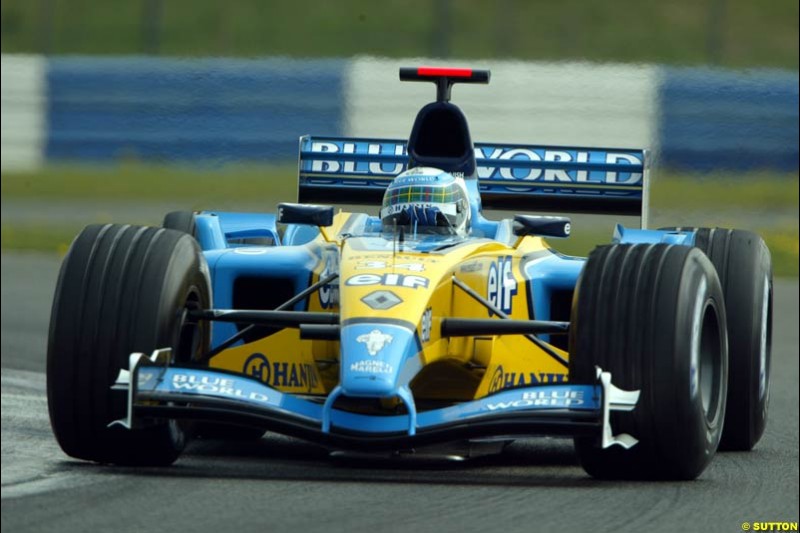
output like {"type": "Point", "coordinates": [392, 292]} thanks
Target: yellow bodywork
{"type": "Point", "coordinates": [453, 369]}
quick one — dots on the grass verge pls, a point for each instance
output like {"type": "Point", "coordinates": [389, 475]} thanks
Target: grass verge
{"type": "Point", "coordinates": [155, 183]}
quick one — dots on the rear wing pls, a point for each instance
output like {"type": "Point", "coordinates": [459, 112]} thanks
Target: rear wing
{"type": "Point", "coordinates": [509, 177]}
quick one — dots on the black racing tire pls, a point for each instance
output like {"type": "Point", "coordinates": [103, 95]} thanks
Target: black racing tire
{"type": "Point", "coordinates": [744, 266]}
{"type": "Point", "coordinates": [121, 289]}
{"type": "Point", "coordinates": [653, 315]}
{"type": "Point", "coordinates": [182, 221]}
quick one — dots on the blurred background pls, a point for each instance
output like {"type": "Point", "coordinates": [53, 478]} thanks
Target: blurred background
{"type": "Point", "coordinates": [122, 110]}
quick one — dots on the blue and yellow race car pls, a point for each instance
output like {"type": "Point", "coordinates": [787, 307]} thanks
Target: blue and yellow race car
{"type": "Point", "coordinates": [427, 324]}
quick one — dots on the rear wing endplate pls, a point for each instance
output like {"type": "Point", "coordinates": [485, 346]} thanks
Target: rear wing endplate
{"type": "Point", "coordinates": [509, 177]}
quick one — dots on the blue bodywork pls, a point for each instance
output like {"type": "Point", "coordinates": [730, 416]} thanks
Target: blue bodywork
{"type": "Point", "coordinates": [623, 235]}
{"type": "Point", "coordinates": [259, 403]}
{"type": "Point", "coordinates": [221, 234]}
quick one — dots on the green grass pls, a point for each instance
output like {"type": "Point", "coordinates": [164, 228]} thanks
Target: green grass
{"type": "Point", "coordinates": [194, 187]}
{"type": "Point", "coordinates": [758, 190]}
{"type": "Point", "coordinates": [716, 200]}
{"type": "Point", "coordinates": [37, 237]}
{"type": "Point", "coordinates": [736, 33]}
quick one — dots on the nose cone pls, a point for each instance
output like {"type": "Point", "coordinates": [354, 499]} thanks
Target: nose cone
{"type": "Point", "coordinates": [373, 357]}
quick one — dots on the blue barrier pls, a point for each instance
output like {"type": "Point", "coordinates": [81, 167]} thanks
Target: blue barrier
{"type": "Point", "coordinates": [728, 120]}
{"type": "Point", "coordinates": [220, 110]}
{"type": "Point", "coordinates": [233, 110]}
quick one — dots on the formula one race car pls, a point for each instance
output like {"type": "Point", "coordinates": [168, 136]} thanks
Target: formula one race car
{"type": "Point", "coordinates": [427, 325]}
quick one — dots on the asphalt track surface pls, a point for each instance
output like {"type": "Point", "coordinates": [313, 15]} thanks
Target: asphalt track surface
{"type": "Point", "coordinates": [279, 484]}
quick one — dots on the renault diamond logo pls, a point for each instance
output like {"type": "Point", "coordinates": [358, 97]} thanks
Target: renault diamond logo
{"type": "Point", "coordinates": [381, 300]}
{"type": "Point", "coordinates": [375, 340]}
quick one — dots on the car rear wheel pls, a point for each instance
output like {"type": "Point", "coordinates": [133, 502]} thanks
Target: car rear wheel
{"type": "Point", "coordinates": [653, 316]}
{"type": "Point", "coordinates": [182, 221]}
{"type": "Point", "coordinates": [121, 289]}
{"type": "Point", "coordinates": [744, 267]}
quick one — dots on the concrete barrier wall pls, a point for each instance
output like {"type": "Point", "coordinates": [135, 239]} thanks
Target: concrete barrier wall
{"type": "Point", "coordinates": [227, 110]}
{"type": "Point", "coordinates": [22, 125]}
{"type": "Point", "coordinates": [581, 104]}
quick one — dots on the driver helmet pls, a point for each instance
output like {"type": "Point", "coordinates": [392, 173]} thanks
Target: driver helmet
{"type": "Point", "coordinates": [426, 188]}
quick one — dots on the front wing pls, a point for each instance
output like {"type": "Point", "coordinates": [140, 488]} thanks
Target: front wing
{"type": "Point", "coordinates": [158, 390]}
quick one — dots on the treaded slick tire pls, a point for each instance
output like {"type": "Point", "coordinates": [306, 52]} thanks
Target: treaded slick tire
{"type": "Point", "coordinates": [121, 289]}
{"type": "Point", "coordinates": [182, 221]}
{"type": "Point", "coordinates": [744, 267]}
{"type": "Point", "coordinates": [653, 316]}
